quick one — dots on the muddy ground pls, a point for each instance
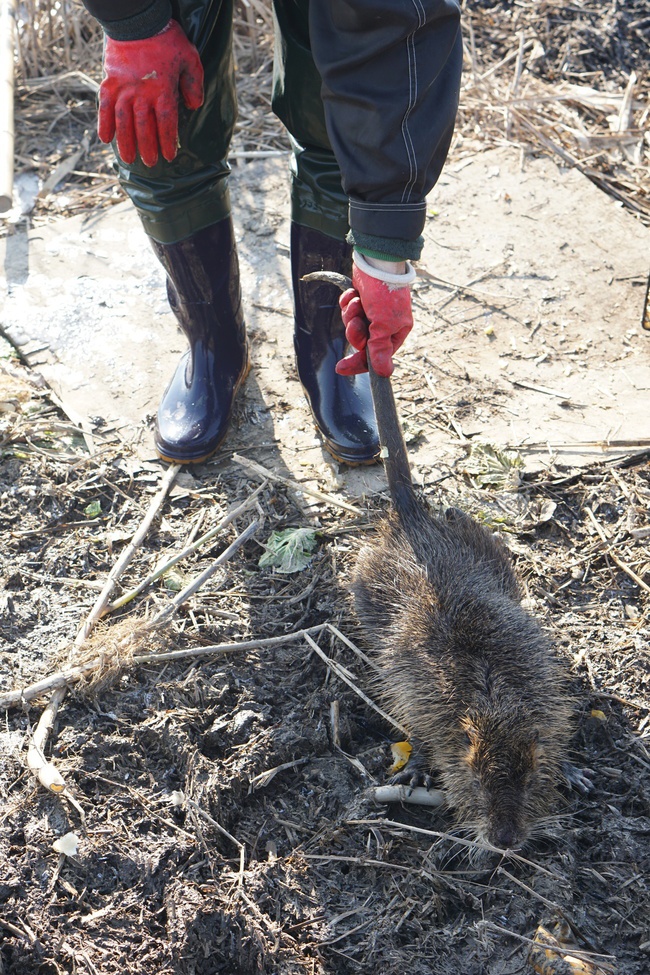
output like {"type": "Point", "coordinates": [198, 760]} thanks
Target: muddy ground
{"type": "Point", "coordinates": [330, 881]}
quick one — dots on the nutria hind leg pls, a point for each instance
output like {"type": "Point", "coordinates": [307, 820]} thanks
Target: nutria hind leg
{"type": "Point", "coordinates": [578, 779]}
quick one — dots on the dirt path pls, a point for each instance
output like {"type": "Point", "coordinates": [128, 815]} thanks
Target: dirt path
{"type": "Point", "coordinates": [528, 310]}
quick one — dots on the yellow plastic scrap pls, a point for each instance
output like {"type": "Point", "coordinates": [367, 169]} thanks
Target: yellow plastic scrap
{"type": "Point", "coordinates": [401, 752]}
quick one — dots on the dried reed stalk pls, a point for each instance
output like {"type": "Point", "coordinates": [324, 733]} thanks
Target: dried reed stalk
{"type": "Point", "coordinates": [600, 125]}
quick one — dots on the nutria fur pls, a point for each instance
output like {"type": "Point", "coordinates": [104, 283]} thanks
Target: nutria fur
{"type": "Point", "coordinates": [460, 663]}
{"type": "Point", "coordinates": [465, 669]}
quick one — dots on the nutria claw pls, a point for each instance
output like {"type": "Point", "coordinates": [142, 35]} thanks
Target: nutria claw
{"type": "Point", "coordinates": [578, 778]}
{"type": "Point", "coordinates": [414, 779]}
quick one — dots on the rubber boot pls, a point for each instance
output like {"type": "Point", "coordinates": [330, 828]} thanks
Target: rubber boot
{"type": "Point", "coordinates": [341, 405]}
{"type": "Point", "coordinates": [204, 294]}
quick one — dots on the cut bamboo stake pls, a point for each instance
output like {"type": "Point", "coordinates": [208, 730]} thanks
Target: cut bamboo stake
{"type": "Point", "coordinates": [7, 36]}
{"type": "Point", "coordinates": [47, 774]}
{"type": "Point", "coordinates": [418, 796]}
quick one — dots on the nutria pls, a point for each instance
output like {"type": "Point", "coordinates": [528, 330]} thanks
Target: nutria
{"type": "Point", "coordinates": [460, 663]}
{"type": "Point", "coordinates": [465, 669]}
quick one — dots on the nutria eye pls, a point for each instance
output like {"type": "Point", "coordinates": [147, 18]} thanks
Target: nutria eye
{"type": "Point", "coordinates": [468, 738]}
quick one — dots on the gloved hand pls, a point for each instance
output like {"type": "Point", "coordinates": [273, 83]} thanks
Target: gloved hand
{"type": "Point", "coordinates": [377, 316]}
{"type": "Point", "coordinates": [138, 98]}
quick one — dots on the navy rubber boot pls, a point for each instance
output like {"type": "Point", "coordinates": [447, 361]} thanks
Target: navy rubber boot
{"type": "Point", "coordinates": [205, 296]}
{"type": "Point", "coordinates": [341, 405]}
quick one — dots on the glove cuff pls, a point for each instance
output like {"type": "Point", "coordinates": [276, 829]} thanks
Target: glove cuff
{"type": "Point", "coordinates": [394, 280]}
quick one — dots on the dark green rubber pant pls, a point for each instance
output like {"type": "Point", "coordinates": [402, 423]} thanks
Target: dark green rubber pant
{"type": "Point", "coordinates": [177, 199]}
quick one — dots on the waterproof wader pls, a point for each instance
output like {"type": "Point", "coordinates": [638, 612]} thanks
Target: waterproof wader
{"type": "Point", "coordinates": [186, 201]}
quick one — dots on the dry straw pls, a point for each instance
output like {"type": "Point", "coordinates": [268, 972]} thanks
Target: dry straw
{"type": "Point", "coordinates": [519, 87]}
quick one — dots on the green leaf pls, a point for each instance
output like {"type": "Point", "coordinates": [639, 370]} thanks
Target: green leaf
{"type": "Point", "coordinates": [93, 510]}
{"type": "Point", "coordinates": [173, 580]}
{"type": "Point", "coordinates": [489, 467]}
{"type": "Point", "coordinates": [289, 550]}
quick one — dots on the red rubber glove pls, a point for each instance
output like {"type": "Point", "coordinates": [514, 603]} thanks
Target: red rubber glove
{"type": "Point", "coordinates": [377, 316]}
{"type": "Point", "coordinates": [138, 98]}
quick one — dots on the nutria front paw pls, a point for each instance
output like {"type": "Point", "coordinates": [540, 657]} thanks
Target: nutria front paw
{"type": "Point", "coordinates": [415, 773]}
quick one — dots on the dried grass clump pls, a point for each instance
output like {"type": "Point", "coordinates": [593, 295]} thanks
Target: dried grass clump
{"type": "Point", "coordinates": [571, 81]}
{"type": "Point", "coordinates": [53, 36]}
{"type": "Point", "coordinates": [110, 650]}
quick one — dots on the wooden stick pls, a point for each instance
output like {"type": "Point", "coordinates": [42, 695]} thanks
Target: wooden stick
{"type": "Point", "coordinates": [128, 553]}
{"type": "Point", "coordinates": [260, 471]}
{"type": "Point", "coordinates": [72, 674]}
{"type": "Point", "coordinates": [47, 774]}
{"type": "Point", "coordinates": [196, 583]}
{"type": "Point", "coordinates": [189, 550]}
{"type": "Point", "coordinates": [7, 36]}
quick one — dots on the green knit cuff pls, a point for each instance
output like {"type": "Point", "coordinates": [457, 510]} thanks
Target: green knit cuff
{"type": "Point", "coordinates": [386, 248]}
{"type": "Point", "coordinates": [378, 255]}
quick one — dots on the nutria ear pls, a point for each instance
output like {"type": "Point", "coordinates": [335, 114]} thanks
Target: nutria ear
{"type": "Point", "coordinates": [470, 729]}
{"type": "Point", "coordinates": [454, 514]}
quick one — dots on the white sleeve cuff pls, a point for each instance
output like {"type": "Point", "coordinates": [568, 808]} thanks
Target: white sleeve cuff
{"type": "Point", "coordinates": [394, 280]}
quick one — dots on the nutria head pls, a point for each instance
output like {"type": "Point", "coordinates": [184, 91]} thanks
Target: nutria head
{"type": "Point", "coordinates": [503, 777]}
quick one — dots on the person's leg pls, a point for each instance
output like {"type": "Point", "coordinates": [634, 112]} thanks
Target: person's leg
{"type": "Point", "coordinates": [341, 405]}
{"type": "Point", "coordinates": [185, 210]}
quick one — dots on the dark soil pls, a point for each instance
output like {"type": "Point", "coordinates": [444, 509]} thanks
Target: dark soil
{"type": "Point", "coordinates": [330, 882]}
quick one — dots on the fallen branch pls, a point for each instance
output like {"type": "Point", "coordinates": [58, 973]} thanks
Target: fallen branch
{"type": "Point", "coordinates": [201, 579]}
{"type": "Point", "coordinates": [71, 675]}
{"type": "Point", "coordinates": [47, 774]}
{"type": "Point", "coordinates": [98, 609]}
{"type": "Point", "coordinates": [189, 550]}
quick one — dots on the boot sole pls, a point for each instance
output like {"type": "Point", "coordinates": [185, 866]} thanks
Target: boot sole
{"type": "Point", "coordinates": [346, 460]}
{"type": "Point", "coordinates": [185, 461]}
